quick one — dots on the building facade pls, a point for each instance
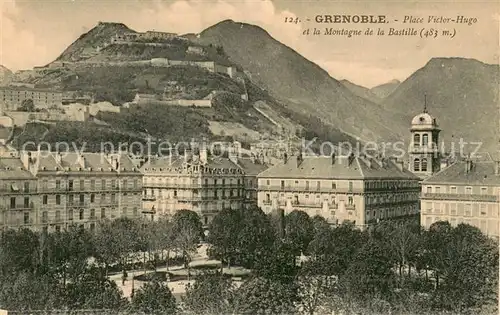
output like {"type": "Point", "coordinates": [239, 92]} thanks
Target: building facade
{"type": "Point", "coordinates": [59, 190]}
{"type": "Point", "coordinates": [19, 200]}
{"type": "Point", "coordinates": [466, 192]}
{"type": "Point", "coordinates": [351, 188]}
{"type": "Point", "coordinates": [198, 183]}
{"type": "Point", "coordinates": [12, 97]}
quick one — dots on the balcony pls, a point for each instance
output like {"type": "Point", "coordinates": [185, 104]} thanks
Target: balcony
{"type": "Point", "coordinates": [311, 189]}
{"type": "Point", "coordinates": [459, 197]}
{"type": "Point", "coordinates": [149, 198]}
{"type": "Point", "coordinates": [21, 207]}
{"type": "Point", "coordinates": [77, 203]}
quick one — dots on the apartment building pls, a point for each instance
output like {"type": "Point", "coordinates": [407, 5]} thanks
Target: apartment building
{"type": "Point", "coordinates": [351, 188]}
{"type": "Point", "coordinates": [81, 189]}
{"type": "Point", "coordinates": [466, 192]}
{"type": "Point", "coordinates": [198, 183]}
{"type": "Point", "coordinates": [18, 194]}
{"type": "Point", "coordinates": [13, 96]}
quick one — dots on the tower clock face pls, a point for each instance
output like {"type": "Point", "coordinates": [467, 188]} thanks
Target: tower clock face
{"type": "Point", "coordinates": [422, 119]}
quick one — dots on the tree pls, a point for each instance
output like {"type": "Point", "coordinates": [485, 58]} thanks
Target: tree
{"type": "Point", "coordinates": [27, 105]}
{"type": "Point", "coordinates": [223, 235]}
{"type": "Point", "coordinates": [369, 275]}
{"type": "Point", "coordinates": [265, 296]}
{"type": "Point", "coordinates": [212, 293]}
{"type": "Point", "coordinates": [299, 231]}
{"type": "Point", "coordinates": [188, 232]}
{"type": "Point", "coordinates": [154, 298]}
{"type": "Point", "coordinates": [469, 272]}
{"type": "Point", "coordinates": [94, 290]}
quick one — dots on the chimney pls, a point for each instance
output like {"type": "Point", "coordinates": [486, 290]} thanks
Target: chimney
{"type": "Point", "coordinates": [58, 157]}
{"type": "Point", "coordinates": [203, 155]}
{"type": "Point", "coordinates": [232, 155]}
{"type": "Point", "coordinates": [468, 165]}
{"type": "Point", "coordinates": [497, 167]}
{"type": "Point", "coordinates": [400, 164]}
{"type": "Point", "coordinates": [81, 160]}
{"type": "Point", "coordinates": [299, 159]}
{"type": "Point", "coordinates": [350, 159]}
{"type": "Point", "coordinates": [285, 158]}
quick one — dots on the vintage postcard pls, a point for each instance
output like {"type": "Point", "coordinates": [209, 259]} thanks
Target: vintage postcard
{"type": "Point", "coordinates": [249, 157]}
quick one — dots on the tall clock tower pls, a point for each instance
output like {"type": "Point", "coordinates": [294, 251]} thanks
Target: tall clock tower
{"type": "Point", "coordinates": [424, 152]}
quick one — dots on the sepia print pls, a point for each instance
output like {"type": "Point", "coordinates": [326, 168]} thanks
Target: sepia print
{"type": "Point", "coordinates": [249, 157]}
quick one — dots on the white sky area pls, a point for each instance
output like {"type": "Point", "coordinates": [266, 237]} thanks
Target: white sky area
{"type": "Point", "coordinates": [35, 32]}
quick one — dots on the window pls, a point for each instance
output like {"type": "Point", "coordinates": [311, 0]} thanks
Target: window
{"type": "Point", "coordinates": [296, 199]}
{"type": "Point", "coordinates": [223, 182]}
{"type": "Point", "coordinates": [26, 218]}
{"type": "Point", "coordinates": [268, 198]}
{"type": "Point", "coordinates": [45, 199]}
{"type": "Point", "coordinates": [113, 183]}
{"type": "Point", "coordinates": [453, 190]}
{"type": "Point", "coordinates": [70, 214]}
{"type": "Point", "coordinates": [282, 184]}
{"type": "Point", "coordinates": [416, 165]}
{"type": "Point", "coordinates": [92, 227]}
{"type": "Point", "coordinates": [103, 213]}
{"type": "Point", "coordinates": [58, 229]}
{"type": "Point", "coordinates": [92, 198]}
{"type": "Point", "coordinates": [26, 202]}
{"type": "Point", "coordinates": [468, 190]}
{"type": "Point", "coordinates": [438, 189]}
{"type": "Point", "coordinates": [82, 214]}
{"type": "Point", "coordinates": [58, 199]}
{"type": "Point", "coordinates": [484, 190]}
{"type": "Point", "coordinates": [58, 184]}
{"type": "Point", "coordinates": [82, 184]}
{"type": "Point", "coordinates": [12, 202]}
{"type": "Point", "coordinates": [44, 217]}
{"type": "Point", "coordinates": [92, 213]}
{"type": "Point", "coordinates": [350, 186]}
{"type": "Point", "coordinates": [416, 139]}
{"type": "Point", "coordinates": [425, 139]}
{"type": "Point", "coordinates": [103, 184]}
{"type": "Point", "coordinates": [175, 193]}
{"type": "Point", "coordinates": [483, 209]}
{"type": "Point", "coordinates": [318, 185]}
{"type": "Point", "coordinates": [124, 184]}
{"type": "Point", "coordinates": [92, 184]}
{"type": "Point", "coordinates": [82, 199]}
{"type": "Point", "coordinates": [350, 200]}
{"type": "Point", "coordinates": [135, 183]}
{"type": "Point", "coordinates": [424, 165]}
{"type": "Point", "coordinates": [334, 185]}
{"type": "Point", "coordinates": [70, 184]}
{"type": "Point", "coordinates": [113, 198]}
{"type": "Point", "coordinates": [267, 182]}
{"type": "Point", "coordinates": [26, 187]}
{"type": "Point", "coordinates": [307, 185]}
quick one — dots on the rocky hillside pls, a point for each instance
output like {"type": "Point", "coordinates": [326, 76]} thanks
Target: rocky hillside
{"type": "Point", "coordinates": [384, 90]}
{"type": "Point", "coordinates": [361, 91]}
{"type": "Point", "coordinates": [461, 93]}
{"type": "Point", "coordinates": [300, 84]}
{"type": "Point", "coordinates": [87, 43]}
{"type": "Point", "coordinates": [5, 75]}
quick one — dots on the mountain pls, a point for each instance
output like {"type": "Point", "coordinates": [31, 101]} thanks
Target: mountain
{"type": "Point", "coordinates": [300, 84]}
{"type": "Point", "coordinates": [5, 75]}
{"type": "Point", "coordinates": [361, 91]}
{"type": "Point", "coordinates": [384, 90]}
{"type": "Point", "coordinates": [462, 94]}
{"type": "Point", "coordinates": [88, 42]}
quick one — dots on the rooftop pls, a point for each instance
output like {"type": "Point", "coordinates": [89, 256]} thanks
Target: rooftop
{"type": "Point", "coordinates": [12, 168]}
{"type": "Point", "coordinates": [480, 173]}
{"type": "Point", "coordinates": [321, 167]}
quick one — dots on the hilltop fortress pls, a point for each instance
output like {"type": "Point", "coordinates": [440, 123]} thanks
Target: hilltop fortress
{"type": "Point", "coordinates": [197, 53]}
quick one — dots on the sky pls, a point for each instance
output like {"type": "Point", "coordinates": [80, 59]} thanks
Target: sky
{"type": "Point", "coordinates": [35, 32]}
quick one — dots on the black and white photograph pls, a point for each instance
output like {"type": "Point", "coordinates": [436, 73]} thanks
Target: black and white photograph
{"type": "Point", "coordinates": [253, 157]}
